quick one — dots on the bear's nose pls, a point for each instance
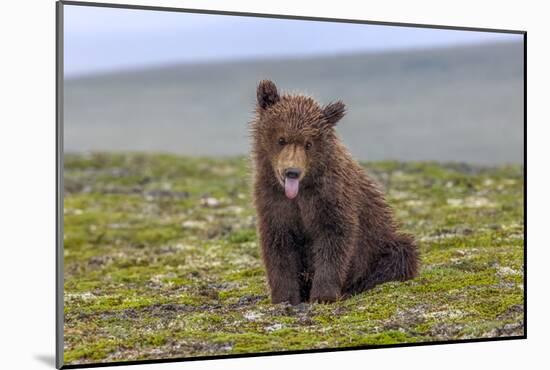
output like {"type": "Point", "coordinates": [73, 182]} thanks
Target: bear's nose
{"type": "Point", "coordinates": [293, 173]}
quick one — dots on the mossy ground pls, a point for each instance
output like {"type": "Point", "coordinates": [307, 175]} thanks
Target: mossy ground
{"type": "Point", "coordinates": [162, 260]}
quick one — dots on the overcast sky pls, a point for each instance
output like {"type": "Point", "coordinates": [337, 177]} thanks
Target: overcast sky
{"type": "Point", "coordinates": [106, 39]}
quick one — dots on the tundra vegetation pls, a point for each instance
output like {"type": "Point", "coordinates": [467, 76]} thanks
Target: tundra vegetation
{"type": "Point", "coordinates": [161, 260]}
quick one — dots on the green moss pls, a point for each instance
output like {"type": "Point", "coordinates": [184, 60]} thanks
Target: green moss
{"type": "Point", "coordinates": [243, 236]}
{"type": "Point", "coordinates": [162, 260]}
{"type": "Point", "coordinates": [93, 352]}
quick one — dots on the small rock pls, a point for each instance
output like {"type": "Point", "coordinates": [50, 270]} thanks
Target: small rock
{"type": "Point", "coordinates": [274, 327]}
{"type": "Point", "coordinates": [210, 202]}
{"type": "Point", "coordinates": [252, 316]}
{"type": "Point", "coordinates": [507, 271]}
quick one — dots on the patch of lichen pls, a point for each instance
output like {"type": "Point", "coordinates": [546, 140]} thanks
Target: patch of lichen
{"type": "Point", "coordinates": [162, 260]}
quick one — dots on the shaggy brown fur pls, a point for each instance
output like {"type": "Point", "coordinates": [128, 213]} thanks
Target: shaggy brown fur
{"type": "Point", "coordinates": [325, 229]}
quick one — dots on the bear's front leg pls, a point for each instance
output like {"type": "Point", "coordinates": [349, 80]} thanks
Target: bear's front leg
{"type": "Point", "coordinates": [282, 263]}
{"type": "Point", "coordinates": [332, 251]}
{"type": "Point", "coordinates": [330, 265]}
{"type": "Point", "coordinates": [326, 287]}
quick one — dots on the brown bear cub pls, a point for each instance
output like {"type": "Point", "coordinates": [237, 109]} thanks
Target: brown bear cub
{"type": "Point", "coordinates": [326, 231]}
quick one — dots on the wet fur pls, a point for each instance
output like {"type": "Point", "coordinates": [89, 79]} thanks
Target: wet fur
{"type": "Point", "coordinates": [338, 237]}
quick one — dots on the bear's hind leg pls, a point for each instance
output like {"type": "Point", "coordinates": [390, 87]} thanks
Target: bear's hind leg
{"type": "Point", "coordinates": [398, 261]}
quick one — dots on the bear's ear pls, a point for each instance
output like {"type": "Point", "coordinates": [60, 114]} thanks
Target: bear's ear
{"type": "Point", "coordinates": [334, 112]}
{"type": "Point", "coordinates": [267, 94]}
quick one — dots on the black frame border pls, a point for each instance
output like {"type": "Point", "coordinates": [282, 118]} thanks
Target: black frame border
{"type": "Point", "coordinates": [59, 357]}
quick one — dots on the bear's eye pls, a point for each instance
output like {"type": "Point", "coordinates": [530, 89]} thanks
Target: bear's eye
{"type": "Point", "coordinates": [282, 141]}
{"type": "Point", "coordinates": [308, 145]}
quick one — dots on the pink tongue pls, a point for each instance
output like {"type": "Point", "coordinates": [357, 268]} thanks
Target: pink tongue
{"type": "Point", "coordinates": [291, 187]}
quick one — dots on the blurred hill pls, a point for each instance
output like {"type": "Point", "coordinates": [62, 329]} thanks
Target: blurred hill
{"type": "Point", "coordinates": [448, 104]}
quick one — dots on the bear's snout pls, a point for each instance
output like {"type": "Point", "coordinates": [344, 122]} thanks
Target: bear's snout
{"type": "Point", "coordinates": [293, 173]}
